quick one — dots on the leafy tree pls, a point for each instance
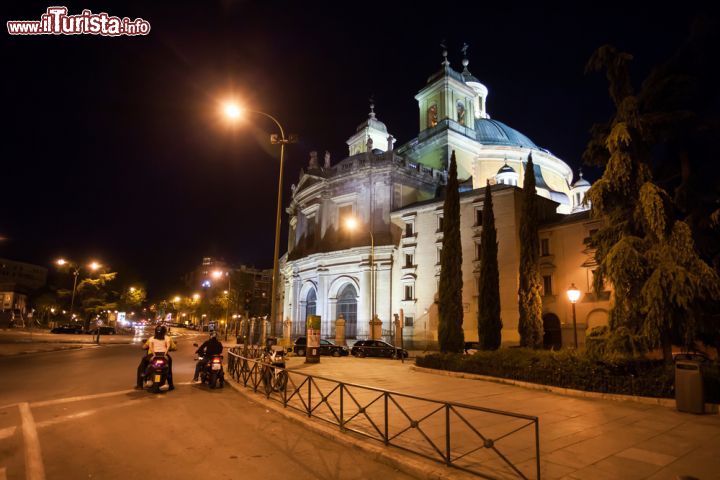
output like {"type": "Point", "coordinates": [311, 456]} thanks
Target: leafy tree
{"type": "Point", "coordinates": [489, 322]}
{"type": "Point", "coordinates": [450, 308]}
{"type": "Point", "coordinates": [133, 298]}
{"type": "Point", "coordinates": [95, 294]}
{"type": "Point", "coordinates": [660, 282]}
{"type": "Point", "coordinates": [529, 300]}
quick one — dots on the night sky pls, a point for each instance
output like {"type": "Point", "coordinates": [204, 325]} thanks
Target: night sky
{"type": "Point", "coordinates": [113, 149]}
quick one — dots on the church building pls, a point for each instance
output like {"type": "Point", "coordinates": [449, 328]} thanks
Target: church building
{"type": "Point", "coordinates": [366, 232]}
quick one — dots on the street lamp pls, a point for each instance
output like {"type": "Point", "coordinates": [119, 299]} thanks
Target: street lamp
{"type": "Point", "coordinates": [351, 223]}
{"type": "Point", "coordinates": [233, 112]}
{"type": "Point", "coordinates": [93, 266]}
{"type": "Point", "coordinates": [574, 295]}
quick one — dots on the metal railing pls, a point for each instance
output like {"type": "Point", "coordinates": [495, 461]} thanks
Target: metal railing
{"type": "Point", "coordinates": [485, 442]}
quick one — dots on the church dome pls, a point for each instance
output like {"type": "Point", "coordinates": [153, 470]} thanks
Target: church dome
{"type": "Point", "coordinates": [506, 169]}
{"type": "Point", "coordinates": [492, 132]}
{"type": "Point", "coordinates": [581, 182]}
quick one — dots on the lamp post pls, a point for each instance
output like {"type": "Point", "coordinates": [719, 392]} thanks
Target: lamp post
{"type": "Point", "coordinates": [351, 223]}
{"type": "Point", "coordinates": [574, 295]}
{"type": "Point", "coordinates": [233, 112]}
{"type": "Point", "coordinates": [93, 266]}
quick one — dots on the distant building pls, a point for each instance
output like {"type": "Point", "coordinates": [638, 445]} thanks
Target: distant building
{"type": "Point", "coordinates": [253, 285]}
{"type": "Point", "coordinates": [17, 281]}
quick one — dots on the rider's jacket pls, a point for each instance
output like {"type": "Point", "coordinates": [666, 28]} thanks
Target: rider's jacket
{"type": "Point", "coordinates": [210, 348]}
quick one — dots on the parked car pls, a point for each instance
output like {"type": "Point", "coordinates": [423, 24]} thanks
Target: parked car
{"type": "Point", "coordinates": [68, 329]}
{"type": "Point", "coordinates": [377, 348]}
{"type": "Point", "coordinates": [103, 331]}
{"type": "Point", "coordinates": [326, 348]}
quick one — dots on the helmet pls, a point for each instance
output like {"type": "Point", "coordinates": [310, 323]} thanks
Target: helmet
{"type": "Point", "coordinates": [160, 331]}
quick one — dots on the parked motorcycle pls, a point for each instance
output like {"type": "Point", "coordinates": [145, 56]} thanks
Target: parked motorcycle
{"type": "Point", "coordinates": [157, 372]}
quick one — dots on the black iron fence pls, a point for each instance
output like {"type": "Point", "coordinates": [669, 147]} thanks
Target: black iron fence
{"type": "Point", "coordinates": [483, 441]}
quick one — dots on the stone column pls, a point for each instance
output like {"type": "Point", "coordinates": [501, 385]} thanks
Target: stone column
{"type": "Point", "coordinates": [287, 333]}
{"type": "Point", "coordinates": [376, 328]}
{"type": "Point", "coordinates": [398, 341]}
{"type": "Point", "coordinates": [340, 330]}
{"type": "Point", "coordinates": [263, 331]}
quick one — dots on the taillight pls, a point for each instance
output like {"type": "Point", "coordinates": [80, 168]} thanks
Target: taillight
{"type": "Point", "coordinates": [217, 360]}
{"type": "Point", "coordinates": [159, 362]}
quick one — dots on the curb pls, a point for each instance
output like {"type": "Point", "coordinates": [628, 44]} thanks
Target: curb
{"type": "Point", "coordinates": [407, 463]}
{"type": "Point", "coordinates": [710, 408]}
{"type": "Point", "coordinates": [54, 350]}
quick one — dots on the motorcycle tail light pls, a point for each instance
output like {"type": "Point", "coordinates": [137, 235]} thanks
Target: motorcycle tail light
{"type": "Point", "coordinates": [216, 360]}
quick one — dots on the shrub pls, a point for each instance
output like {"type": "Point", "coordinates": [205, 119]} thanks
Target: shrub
{"type": "Point", "coordinates": [571, 369]}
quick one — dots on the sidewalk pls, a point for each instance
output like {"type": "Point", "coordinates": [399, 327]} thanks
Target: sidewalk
{"type": "Point", "coordinates": [580, 438]}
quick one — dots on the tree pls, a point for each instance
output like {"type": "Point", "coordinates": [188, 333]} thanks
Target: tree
{"type": "Point", "coordinates": [529, 300]}
{"type": "Point", "coordinates": [95, 294]}
{"type": "Point", "coordinates": [489, 321]}
{"type": "Point", "coordinates": [132, 298]}
{"type": "Point", "coordinates": [645, 251]}
{"type": "Point", "coordinates": [450, 308]}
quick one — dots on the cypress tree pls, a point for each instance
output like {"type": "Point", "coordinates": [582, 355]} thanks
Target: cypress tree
{"type": "Point", "coordinates": [489, 322]}
{"type": "Point", "coordinates": [530, 303]}
{"type": "Point", "coordinates": [450, 307]}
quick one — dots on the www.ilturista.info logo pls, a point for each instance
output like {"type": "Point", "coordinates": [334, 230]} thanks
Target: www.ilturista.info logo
{"type": "Point", "coordinates": [56, 21]}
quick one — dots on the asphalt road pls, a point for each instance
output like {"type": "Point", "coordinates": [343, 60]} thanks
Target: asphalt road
{"type": "Point", "coordinates": [73, 414]}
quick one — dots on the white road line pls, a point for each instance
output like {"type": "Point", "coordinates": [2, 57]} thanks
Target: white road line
{"type": "Point", "coordinates": [9, 405]}
{"type": "Point", "coordinates": [78, 399]}
{"type": "Point", "coordinates": [6, 433]}
{"type": "Point", "coordinates": [34, 469]}
{"type": "Point", "coordinates": [85, 413]}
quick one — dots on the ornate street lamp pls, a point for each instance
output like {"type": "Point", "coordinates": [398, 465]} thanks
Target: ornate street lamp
{"type": "Point", "coordinates": [574, 295]}
{"type": "Point", "coordinates": [351, 223]}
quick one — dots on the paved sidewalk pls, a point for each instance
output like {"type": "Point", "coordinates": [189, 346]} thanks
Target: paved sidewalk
{"type": "Point", "coordinates": [579, 438]}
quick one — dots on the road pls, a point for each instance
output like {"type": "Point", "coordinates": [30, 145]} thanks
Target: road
{"type": "Point", "coordinates": [73, 414]}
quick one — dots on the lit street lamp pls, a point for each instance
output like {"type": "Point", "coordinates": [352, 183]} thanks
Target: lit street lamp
{"type": "Point", "coordinates": [574, 295]}
{"type": "Point", "coordinates": [233, 112]}
{"type": "Point", "coordinates": [351, 223]}
{"type": "Point", "coordinates": [217, 274]}
{"type": "Point", "coordinates": [93, 266]}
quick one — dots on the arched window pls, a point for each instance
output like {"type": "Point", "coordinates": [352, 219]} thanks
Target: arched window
{"type": "Point", "coordinates": [347, 306]}
{"type": "Point", "coordinates": [461, 113]}
{"type": "Point", "coordinates": [311, 303]}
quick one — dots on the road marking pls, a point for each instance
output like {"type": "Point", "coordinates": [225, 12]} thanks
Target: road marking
{"type": "Point", "coordinates": [79, 398]}
{"type": "Point", "coordinates": [34, 469]}
{"type": "Point", "coordinates": [6, 433]}
{"type": "Point", "coordinates": [85, 413]}
{"type": "Point", "coordinates": [9, 405]}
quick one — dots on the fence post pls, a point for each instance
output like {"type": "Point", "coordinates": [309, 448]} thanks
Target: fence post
{"type": "Point", "coordinates": [310, 396]}
{"type": "Point", "coordinates": [447, 434]}
{"type": "Point", "coordinates": [342, 408]}
{"type": "Point", "coordinates": [537, 447]}
{"type": "Point", "coordinates": [386, 418]}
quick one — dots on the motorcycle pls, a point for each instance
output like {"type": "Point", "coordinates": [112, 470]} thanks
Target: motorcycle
{"type": "Point", "coordinates": [156, 373]}
{"type": "Point", "coordinates": [212, 372]}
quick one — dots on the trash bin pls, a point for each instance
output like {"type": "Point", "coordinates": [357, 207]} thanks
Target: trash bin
{"type": "Point", "coordinates": [689, 395]}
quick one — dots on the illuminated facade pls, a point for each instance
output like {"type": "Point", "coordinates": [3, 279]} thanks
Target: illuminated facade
{"type": "Point", "coordinates": [394, 192]}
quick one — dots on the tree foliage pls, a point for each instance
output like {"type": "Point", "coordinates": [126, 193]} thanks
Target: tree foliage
{"type": "Point", "coordinates": [644, 248]}
{"type": "Point", "coordinates": [450, 307]}
{"type": "Point", "coordinates": [529, 300]}
{"type": "Point", "coordinates": [489, 321]}
{"type": "Point", "coordinates": [95, 294]}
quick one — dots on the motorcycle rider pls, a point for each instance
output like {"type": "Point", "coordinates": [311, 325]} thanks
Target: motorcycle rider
{"type": "Point", "coordinates": [206, 351]}
{"type": "Point", "coordinates": [159, 343]}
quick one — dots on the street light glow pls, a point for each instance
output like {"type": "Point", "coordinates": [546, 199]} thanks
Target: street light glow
{"type": "Point", "coordinates": [176, 299]}
{"type": "Point", "coordinates": [196, 296]}
{"type": "Point", "coordinates": [232, 110]}
{"type": "Point", "coordinates": [351, 223]}
{"type": "Point", "coordinates": [94, 266]}
{"type": "Point", "coordinates": [61, 261]}
{"type": "Point", "coordinates": [132, 289]}
{"type": "Point", "coordinates": [573, 293]}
